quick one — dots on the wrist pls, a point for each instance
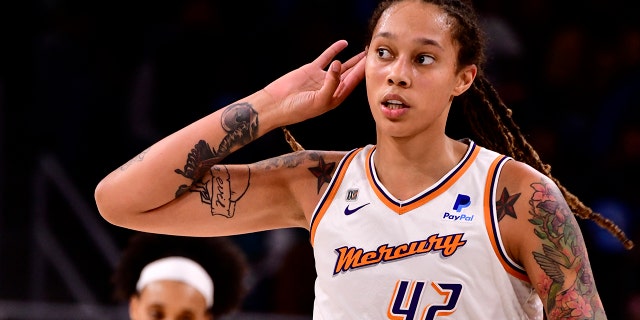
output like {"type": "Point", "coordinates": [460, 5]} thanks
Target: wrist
{"type": "Point", "coordinates": [266, 107]}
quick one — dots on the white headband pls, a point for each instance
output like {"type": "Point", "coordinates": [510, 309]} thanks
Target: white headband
{"type": "Point", "coordinates": [178, 269]}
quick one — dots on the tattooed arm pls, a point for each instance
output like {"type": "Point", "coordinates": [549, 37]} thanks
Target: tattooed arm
{"type": "Point", "coordinates": [275, 193]}
{"type": "Point", "coordinates": [165, 188]}
{"type": "Point", "coordinates": [541, 233]}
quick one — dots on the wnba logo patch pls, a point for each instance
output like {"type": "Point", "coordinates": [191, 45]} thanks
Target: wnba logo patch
{"type": "Point", "coordinates": [352, 195]}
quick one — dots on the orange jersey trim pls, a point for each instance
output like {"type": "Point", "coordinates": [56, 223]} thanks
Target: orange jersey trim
{"type": "Point", "coordinates": [404, 208]}
{"type": "Point", "coordinates": [332, 190]}
{"type": "Point", "coordinates": [491, 224]}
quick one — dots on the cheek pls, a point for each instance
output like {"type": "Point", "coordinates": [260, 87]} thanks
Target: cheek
{"type": "Point", "coordinates": [371, 79]}
{"type": "Point", "coordinates": [372, 70]}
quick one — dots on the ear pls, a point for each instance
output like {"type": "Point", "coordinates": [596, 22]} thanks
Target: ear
{"type": "Point", "coordinates": [465, 79]}
{"type": "Point", "coordinates": [133, 306]}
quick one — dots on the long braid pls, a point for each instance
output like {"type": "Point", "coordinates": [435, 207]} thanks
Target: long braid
{"type": "Point", "coordinates": [505, 136]}
{"type": "Point", "coordinates": [295, 146]}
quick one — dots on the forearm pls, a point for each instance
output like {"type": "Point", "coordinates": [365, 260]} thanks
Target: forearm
{"type": "Point", "coordinates": [169, 167]}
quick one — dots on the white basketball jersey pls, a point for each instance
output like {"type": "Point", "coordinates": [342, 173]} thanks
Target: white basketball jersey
{"type": "Point", "coordinates": [437, 255]}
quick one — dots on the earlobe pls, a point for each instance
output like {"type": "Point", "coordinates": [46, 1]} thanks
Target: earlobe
{"type": "Point", "coordinates": [465, 79]}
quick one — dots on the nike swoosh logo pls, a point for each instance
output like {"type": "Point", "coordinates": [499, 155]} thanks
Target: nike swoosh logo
{"type": "Point", "coordinates": [348, 211]}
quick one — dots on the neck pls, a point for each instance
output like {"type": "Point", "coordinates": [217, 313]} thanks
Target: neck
{"type": "Point", "coordinates": [407, 168]}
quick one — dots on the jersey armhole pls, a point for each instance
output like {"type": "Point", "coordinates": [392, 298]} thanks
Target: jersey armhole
{"type": "Point", "coordinates": [491, 221]}
{"type": "Point", "coordinates": [330, 193]}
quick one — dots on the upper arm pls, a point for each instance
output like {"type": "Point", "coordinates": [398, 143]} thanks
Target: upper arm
{"type": "Point", "coordinates": [280, 192]}
{"type": "Point", "coordinates": [541, 233]}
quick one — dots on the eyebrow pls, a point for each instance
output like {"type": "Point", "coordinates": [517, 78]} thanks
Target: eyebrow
{"type": "Point", "coordinates": [421, 41]}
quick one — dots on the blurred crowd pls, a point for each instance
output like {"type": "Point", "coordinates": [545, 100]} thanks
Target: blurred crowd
{"type": "Point", "coordinates": [94, 82]}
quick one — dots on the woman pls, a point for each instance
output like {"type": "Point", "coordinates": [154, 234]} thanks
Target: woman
{"type": "Point", "coordinates": [417, 226]}
{"type": "Point", "coordinates": [187, 278]}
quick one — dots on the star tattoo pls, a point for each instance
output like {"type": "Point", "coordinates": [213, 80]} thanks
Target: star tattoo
{"type": "Point", "coordinates": [504, 205]}
{"type": "Point", "coordinates": [323, 172]}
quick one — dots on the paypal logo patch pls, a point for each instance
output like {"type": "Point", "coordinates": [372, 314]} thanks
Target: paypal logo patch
{"type": "Point", "coordinates": [460, 217]}
{"type": "Point", "coordinates": [462, 201]}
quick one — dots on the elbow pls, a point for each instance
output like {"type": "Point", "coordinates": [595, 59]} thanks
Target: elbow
{"type": "Point", "coordinates": [108, 204]}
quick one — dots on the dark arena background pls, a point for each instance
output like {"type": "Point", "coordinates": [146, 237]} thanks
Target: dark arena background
{"type": "Point", "coordinates": [86, 85]}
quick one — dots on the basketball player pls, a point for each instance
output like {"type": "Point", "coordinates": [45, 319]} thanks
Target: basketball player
{"type": "Point", "coordinates": [418, 226]}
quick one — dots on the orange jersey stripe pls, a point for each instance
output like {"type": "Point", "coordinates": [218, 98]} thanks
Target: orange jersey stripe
{"type": "Point", "coordinates": [331, 192]}
{"type": "Point", "coordinates": [401, 209]}
{"type": "Point", "coordinates": [491, 226]}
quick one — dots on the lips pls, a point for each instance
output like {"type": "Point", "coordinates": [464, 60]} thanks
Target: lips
{"type": "Point", "coordinates": [394, 102]}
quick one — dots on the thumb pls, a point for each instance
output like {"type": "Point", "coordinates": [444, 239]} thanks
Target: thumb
{"type": "Point", "coordinates": [331, 80]}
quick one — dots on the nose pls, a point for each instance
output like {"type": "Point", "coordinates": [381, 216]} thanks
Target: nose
{"type": "Point", "coordinates": [399, 74]}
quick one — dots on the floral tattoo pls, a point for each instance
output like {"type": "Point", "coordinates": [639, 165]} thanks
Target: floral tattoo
{"type": "Point", "coordinates": [567, 286]}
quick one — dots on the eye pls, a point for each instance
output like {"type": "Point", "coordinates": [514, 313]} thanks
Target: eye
{"type": "Point", "coordinates": [157, 315]}
{"type": "Point", "coordinates": [425, 59]}
{"type": "Point", "coordinates": [186, 315]}
{"type": "Point", "coordinates": [384, 53]}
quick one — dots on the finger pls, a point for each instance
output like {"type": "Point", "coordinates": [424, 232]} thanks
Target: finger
{"type": "Point", "coordinates": [327, 56]}
{"type": "Point", "coordinates": [352, 62]}
{"type": "Point", "coordinates": [350, 80]}
{"type": "Point", "coordinates": [331, 82]}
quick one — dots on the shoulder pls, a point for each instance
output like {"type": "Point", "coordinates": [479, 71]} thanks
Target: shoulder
{"type": "Point", "coordinates": [302, 176]}
{"type": "Point", "coordinates": [524, 195]}
{"type": "Point", "coordinates": [519, 176]}
{"type": "Point", "coordinates": [295, 166]}
{"type": "Point", "coordinates": [531, 185]}
{"type": "Point", "coordinates": [300, 159]}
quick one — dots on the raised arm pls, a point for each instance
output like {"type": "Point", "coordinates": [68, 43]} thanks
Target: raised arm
{"type": "Point", "coordinates": [163, 189]}
{"type": "Point", "coordinates": [541, 233]}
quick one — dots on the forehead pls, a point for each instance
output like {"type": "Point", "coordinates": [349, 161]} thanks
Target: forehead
{"type": "Point", "coordinates": [415, 19]}
{"type": "Point", "coordinates": [174, 296]}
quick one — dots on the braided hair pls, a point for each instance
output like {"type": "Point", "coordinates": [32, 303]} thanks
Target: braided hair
{"type": "Point", "coordinates": [488, 116]}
